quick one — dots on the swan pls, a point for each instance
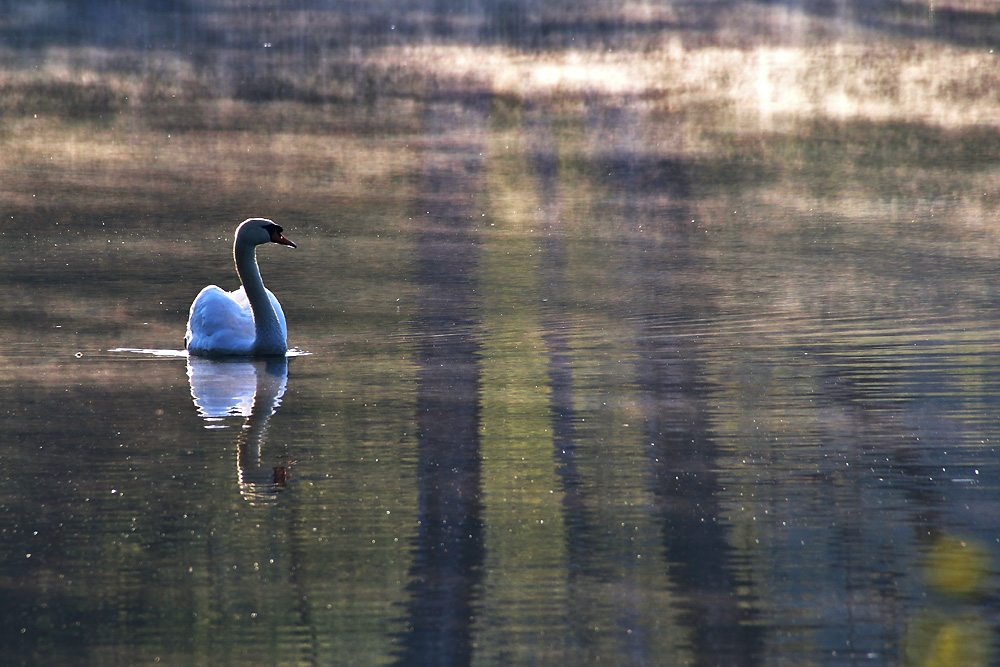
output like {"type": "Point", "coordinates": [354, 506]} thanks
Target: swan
{"type": "Point", "coordinates": [248, 322]}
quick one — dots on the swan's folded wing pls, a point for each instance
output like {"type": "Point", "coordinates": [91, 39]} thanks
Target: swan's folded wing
{"type": "Point", "coordinates": [218, 321]}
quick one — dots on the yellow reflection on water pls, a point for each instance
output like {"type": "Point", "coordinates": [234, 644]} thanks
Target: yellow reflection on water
{"type": "Point", "coordinates": [953, 629]}
{"type": "Point", "coordinates": [525, 533]}
{"type": "Point", "coordinates": [957, 567]}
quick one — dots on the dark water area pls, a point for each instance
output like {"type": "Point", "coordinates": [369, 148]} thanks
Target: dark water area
{"type": "Point", "coordinates": [652, 334]}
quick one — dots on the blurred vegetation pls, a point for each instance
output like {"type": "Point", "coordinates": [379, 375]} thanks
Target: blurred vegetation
{"type": "Point", "coordinates": [85, 59]}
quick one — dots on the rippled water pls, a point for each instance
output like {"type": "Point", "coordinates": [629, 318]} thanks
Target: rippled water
{"type": "Point", "coordinates": [584, 380]}
{"type": "Point", "coordinates": [562, 461]}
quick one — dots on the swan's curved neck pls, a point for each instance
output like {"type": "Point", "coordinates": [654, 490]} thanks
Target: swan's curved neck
{"type": "Point", "coordinates": [269, 337]}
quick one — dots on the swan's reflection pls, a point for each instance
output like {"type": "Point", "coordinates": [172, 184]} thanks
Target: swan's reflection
{"type": "Point", "coordinates": [250, 389]}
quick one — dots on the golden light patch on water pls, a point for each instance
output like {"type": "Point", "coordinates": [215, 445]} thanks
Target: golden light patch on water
{"type": "Point", "coordinates": [939, 86]}
{"type": "Point", "coordinates": [908, 82]}
{"type": "Point", "coordinates": [509, 72]}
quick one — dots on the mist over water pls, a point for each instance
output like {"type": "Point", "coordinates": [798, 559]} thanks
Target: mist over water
{"type": "Point", "coordinates": [644, 333]}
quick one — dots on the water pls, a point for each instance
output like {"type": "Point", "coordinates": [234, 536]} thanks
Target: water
{"type": "Point", "coordinates": [636, 371]}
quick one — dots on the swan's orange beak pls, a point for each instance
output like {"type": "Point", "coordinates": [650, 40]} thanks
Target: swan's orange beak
{"type": "Point", "coordinates": [278, 237]}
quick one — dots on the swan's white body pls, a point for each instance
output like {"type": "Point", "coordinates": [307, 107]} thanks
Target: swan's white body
{"type": "Point", "coordinates": [248, 322]}
{"type": "Point", "coordinates": [221, 323]}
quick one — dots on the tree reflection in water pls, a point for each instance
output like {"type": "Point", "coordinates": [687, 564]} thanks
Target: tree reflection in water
{"type": "Point", "coordinates": [448, 551]}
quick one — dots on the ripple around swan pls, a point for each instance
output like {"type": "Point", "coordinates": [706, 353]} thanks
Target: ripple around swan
{"type": "Point", "coordinates": [153, 352]}
{"type": "Point", "coordinates": [183, 354]}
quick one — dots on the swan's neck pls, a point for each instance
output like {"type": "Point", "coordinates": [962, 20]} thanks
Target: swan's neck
{"type": "Point", "coordinates": [269, 337]}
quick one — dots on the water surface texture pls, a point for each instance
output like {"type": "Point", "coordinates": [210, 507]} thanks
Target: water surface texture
{"type": "Point", "coordinates": [623, 333]}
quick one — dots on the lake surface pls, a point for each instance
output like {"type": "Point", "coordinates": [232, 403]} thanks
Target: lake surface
{"type": "Point", "coordinates": [593, 376]}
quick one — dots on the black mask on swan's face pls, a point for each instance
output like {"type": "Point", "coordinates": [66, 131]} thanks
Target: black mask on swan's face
{"type": "Point", "coordinates": [275, 232]}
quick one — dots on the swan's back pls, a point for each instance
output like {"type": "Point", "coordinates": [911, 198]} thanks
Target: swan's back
{"type": "Point", "coordinates": [221, 323]}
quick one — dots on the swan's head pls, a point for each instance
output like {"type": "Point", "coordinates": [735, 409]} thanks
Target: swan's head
{"type": "Point", "coordinates": [257, 231]}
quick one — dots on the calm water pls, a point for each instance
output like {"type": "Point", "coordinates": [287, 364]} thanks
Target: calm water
{"type": "Point", "coordinates": [574, 381]}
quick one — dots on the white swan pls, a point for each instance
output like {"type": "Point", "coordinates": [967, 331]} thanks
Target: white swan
{"type": "Point", "coordinates": [248, 322]}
